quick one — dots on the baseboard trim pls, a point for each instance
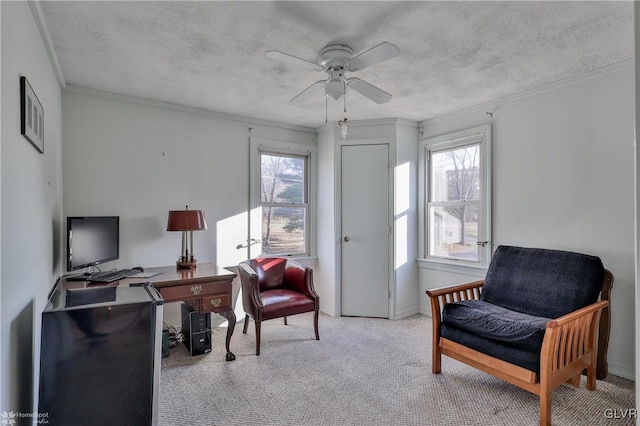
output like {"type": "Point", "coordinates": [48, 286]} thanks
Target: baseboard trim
{"type": "Point", "coordinates": [622, 371]}
{"type": "Point", "coordinates": [406, 313]}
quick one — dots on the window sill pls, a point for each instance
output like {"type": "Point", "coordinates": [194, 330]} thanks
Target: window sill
{"type": "Point", "coordinates": [290, 256]}
{"type": "Point", "coordinates": [298, 258]}
{"type": "Point", "coordinates": [454, 267]}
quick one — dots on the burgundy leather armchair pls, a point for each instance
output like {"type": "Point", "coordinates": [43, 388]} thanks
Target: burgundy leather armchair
{"type": "Point", "coordinates": [276, 288]}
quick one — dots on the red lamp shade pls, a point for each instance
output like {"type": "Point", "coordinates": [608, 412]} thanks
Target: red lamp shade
{"type": "Point", "coordinates": [186, 220]}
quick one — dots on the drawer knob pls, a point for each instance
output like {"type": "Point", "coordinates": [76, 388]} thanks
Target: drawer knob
{"type": "Point", "coordinates": [196, 289]}
{"type": "Point", "coordinates": [216, 302]}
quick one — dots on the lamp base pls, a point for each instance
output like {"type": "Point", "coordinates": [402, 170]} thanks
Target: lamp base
{"type": "Point", "coordinates": [185, 262]}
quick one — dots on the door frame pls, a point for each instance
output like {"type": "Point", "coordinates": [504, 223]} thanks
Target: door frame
{"type": "Point", "coordinates": [390, 142]}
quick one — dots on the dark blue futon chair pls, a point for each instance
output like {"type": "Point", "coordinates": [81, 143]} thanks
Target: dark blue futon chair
{"type": "Point", "coordinates": [533, 321]}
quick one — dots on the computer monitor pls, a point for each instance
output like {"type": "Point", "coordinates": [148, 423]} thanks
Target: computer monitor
{"type": "Point", "coordinates": [92, 240]}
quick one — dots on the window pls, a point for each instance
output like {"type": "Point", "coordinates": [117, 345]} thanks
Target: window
{"type": "Point", "coordinates": [456, 197]}
{"type": "Point", "coordinates": [282, 199]}
{"type": "Point", "coordinates": [284, 203]}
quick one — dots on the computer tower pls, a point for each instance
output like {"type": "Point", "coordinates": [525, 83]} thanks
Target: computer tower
{"type": "Point", "coordinates": [196, 330]}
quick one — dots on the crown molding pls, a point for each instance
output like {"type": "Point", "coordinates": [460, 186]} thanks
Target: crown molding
{"type": "Point", "coordinates": [38, 17]}
{"type": "Point", "coordinates": [491, 105]}
{"type": "Point", "coordinates": [182, 108]}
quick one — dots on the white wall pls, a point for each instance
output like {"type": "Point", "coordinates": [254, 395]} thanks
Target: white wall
{"type": "Point", "coordinates": [31, 207]}
{"type": "Point", "coordinates": [325, 274]}
{"type": "Point", "coordinates": [138, 160]}
{"type": "Point", "coordinates": [406, 220]}
{"type": "Point", "coordinates": [563, 178]}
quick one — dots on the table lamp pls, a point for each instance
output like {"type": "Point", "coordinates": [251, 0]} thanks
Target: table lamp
{"type": "Point", "coordinates": [186, 221]}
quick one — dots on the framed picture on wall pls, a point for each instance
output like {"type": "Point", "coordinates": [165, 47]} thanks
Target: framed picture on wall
{"type": "Point", "coordinates": [31, 115]}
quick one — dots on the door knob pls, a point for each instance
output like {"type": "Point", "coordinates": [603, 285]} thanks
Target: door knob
{"type": "Point", "coordinates": [346, 239]}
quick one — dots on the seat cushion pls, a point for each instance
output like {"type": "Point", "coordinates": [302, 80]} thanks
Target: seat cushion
{"type": "Point", "coordinates": [496, 323]}
{"type": "Point", "coordinates": [282, 302]}
{"type": "Point", "coordinates": [514, 355]}
{"type": "Point", "coordinates": [541, 282]}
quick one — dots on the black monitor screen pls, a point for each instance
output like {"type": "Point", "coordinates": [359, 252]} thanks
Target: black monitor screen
{"type": "Point", "coordinates": [92, 240]}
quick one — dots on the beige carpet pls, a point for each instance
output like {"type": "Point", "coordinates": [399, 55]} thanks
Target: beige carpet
{"type": "Point", "coordinates": [363, 371]}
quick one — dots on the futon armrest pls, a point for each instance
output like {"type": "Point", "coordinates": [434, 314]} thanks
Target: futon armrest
{"type": "Point", "coordinates": [443, 295]}
{"type": "Point", "coordinates": [454, 293]}
{"type": "Point", "coordinates": [576, 316]}
{"type": "Point", "coordinates": [571, 339]}
{"type": "Point", "coordinates": [441, 291]}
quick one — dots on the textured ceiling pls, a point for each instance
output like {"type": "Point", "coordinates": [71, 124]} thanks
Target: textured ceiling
{"type": "Point", "coordinates": [454, 55]}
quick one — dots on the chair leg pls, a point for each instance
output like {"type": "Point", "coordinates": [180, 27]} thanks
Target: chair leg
{"type": "Point", "coordinates": [591, 377]}
{"type": "Point", "coordinates": [436, 356]}
{"type": "Point", "coordinates": [246, 324]}
{"type": "Point", "coordinates": [285, 321]}
{"type": "Point", "coordinates": [575, 380]}
{"type": "Point", "coordinates": [545, 408]}
{"type": "Point", "coordinates": [315, 324]}
{"type": "Point", "coordinates": [257, 337]}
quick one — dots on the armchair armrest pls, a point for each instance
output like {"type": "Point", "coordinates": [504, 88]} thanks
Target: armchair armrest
{"type": "Point", "coordinates": [570, 344]}
{"type": "Point", "coordinates": [299, 278]}
{"type": "Point", "coordinates": [250, 288]}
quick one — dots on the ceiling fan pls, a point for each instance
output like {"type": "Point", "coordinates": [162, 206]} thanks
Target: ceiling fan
{"type": "Point", "coordinates": [336, 60]}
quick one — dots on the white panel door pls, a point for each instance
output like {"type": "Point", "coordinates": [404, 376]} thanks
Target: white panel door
{"type": "Point", "coordinates": [365, 230]}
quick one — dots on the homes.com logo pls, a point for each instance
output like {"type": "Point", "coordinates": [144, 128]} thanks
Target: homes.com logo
{"type": "Point", "coordinates": [10, 418]}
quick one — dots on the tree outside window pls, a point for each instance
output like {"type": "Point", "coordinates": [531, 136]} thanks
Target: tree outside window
{"type": "Point", "coordinates": [283, 198]}
{"type": "Point", "coordinates": [454, 204]}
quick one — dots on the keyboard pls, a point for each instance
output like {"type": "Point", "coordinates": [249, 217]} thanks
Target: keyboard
{"type": "Point", "coordinates": [107, 277]}
{"type": "Point", "coordinates": [111, 276]}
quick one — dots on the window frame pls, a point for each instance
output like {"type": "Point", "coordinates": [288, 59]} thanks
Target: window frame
{"type": "Point", "coordinates": [304, 204]}
{"type": "Point", "coordinates": [481, 136]}
{"type": "Point", "coordinates": [259, 147]}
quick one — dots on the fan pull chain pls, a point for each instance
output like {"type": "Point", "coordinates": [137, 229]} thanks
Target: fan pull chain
{"type": "Point", "coordinates": [326, 113]}
{"type": "Point", "coordinates": [345, 96]}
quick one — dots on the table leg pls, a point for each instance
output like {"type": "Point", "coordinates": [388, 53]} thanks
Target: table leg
{"type": "Point", "coordinates": [231, 318]}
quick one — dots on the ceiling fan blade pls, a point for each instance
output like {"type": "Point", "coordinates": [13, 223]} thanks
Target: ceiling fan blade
{"type": "Point", "coordinates": [284, 57]}
{"type": "Point", "coordinates": [308, 92]}
{"type": "Point", "coordinates": [369, 90]}
{"type": "Point", "coordinates": [375, 55]}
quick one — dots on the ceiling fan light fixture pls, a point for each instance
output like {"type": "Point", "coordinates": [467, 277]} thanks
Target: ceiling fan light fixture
{"type": "Point", "coordinates": [334, 89]}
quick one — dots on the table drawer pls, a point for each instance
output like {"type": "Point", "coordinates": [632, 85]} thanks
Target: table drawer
{"type": "Point", "coordinates": [197, 290]}
{"type": "Point", "coordinates": [216, 302]}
